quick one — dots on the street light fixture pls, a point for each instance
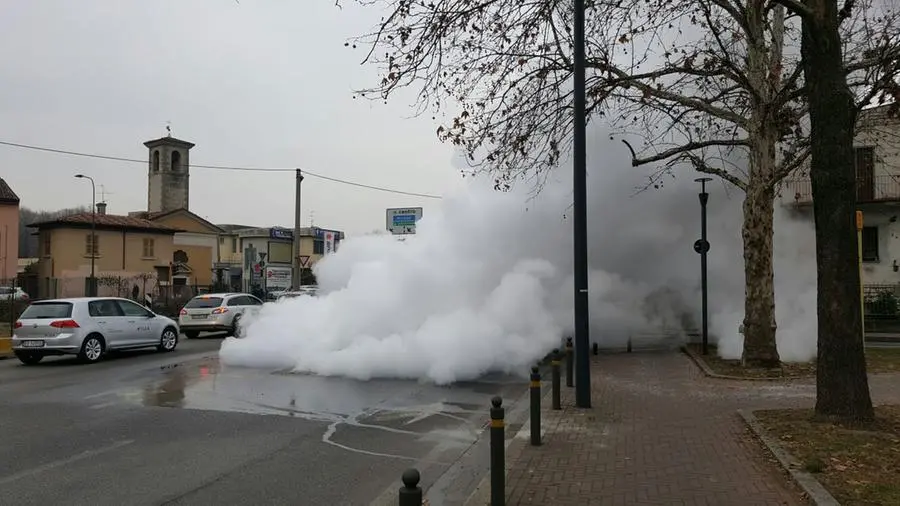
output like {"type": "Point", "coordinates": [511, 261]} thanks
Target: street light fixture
{"type": "Point", "coordinates": [92, 284]}
{"type": "Point", "coordinates": [701, 246]}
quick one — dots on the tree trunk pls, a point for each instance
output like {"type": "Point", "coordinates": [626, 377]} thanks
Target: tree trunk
{"type": "Point", "coordinates": [842, 387]}
{"type": "Point", "coordinates": [760, 349]}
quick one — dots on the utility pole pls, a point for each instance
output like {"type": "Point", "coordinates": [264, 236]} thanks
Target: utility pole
{"type": "Point", "coordinates": [579, 183]}
{"type": "Point", "coordinates": [702, 247]}
{"type": "Point", "coordinates": [298, 267]}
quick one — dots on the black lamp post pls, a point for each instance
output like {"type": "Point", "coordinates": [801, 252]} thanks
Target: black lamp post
{"type": "Point", "coordinates": [92, 285]}
{"type": "Point", "coordinates": [702, 247]}
{"type": "Point", "coordinates": [579, 215]}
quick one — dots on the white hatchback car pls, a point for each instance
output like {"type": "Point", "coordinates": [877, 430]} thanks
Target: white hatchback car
{"type": "Point", "coordinates": [217, 312]}
{"type": "Point", "coordinates": [89, 327]}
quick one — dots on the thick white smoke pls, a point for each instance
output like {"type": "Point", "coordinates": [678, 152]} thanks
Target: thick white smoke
{"type": "Point", "coordinates": [485, 284]}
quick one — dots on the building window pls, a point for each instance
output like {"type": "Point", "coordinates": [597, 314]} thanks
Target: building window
{"type": "Point", "coordinates": [234, 245]}
{"type": "Point", "coordinates": [870, 244]}
{"type": "Point", "coordinates": [91, 245]}
{"type": "Point", "coordinates": [864, 159]}
{"type": "Point", "coordinates": [148, 248]}
{"type": "Point", "coordinates": [318, 247]}
{"type": "Point", "coordinates": [156, 160]}
{"type": "Point", "coordinates": [47, 244]}
{"type": "Point", "coordinates": [176, 161]}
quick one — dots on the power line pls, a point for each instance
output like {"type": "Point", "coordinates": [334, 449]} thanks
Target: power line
{"type": "Point", "coordinates": [222, 167]}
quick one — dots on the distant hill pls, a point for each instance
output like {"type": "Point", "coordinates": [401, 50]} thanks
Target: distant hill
{"type": "Point", "coordinates": [28, 243]}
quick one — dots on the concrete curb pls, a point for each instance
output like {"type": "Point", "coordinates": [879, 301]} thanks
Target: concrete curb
{"type": "Point", "coordinates": [806, 481]}
{"type": "Point", "coordinates": [515, 445]}
{"type": "Point", "coordinates": [708, 372]}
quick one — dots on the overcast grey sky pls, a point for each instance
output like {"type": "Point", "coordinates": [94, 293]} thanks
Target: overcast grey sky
{"type": "Point", "coordinates": [256, 83]}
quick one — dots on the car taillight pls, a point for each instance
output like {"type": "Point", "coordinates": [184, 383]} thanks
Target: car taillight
{"type": "Point", "coordinates": [17, 325]}
{"type": "Point", "coordinates": [65, 324]}
{"type": "Point", "coordinates": [183, 312]}
{"type": "Point", "coordinates": [220, 310]}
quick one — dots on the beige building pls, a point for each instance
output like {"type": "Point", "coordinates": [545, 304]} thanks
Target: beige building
{"type": "Point", "coordinates": [9, 233]}
{"type": "Point", "coordinates": [877, 166]}
{"type": "Point", "coordinates": [127, 252]}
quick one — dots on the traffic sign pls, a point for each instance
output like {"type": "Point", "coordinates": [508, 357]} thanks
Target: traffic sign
{"type": "Point", "coordinates": [304, 259]}
{"type": "Point", "coordinates": [701, 246]}
{"type": "Point", "coordinates": [401, 221]}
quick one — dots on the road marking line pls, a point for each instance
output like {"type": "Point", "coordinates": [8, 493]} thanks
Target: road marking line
{"type": "Point", "coordinates": [101, 394]}
{"type": "Point", "coordinates": [62, 462]}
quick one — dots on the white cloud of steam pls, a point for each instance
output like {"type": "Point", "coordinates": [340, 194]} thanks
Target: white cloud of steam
{"type": "Point", "coordinates": [485, 285]}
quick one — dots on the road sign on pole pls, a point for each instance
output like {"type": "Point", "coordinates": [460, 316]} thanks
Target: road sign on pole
{"type": "Point", "coordinates": [402, 220]}
{"type": "Point", "coordinates": [304, 259]}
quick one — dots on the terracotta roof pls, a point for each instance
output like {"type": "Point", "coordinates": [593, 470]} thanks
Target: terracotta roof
{"type": "Point", "coordinates": [7, 196]}
{"type": "Point", "coordinates": [107, 221]}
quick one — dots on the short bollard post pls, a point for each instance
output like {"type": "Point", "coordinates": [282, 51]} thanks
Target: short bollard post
{"type": "Point", "coordinates": [570, 363]}
{"type": "Point", "coordinates": [535, 406]}
{"type": "Point", "coordinates": [629, 344]}
{"type": "Point", "coordinates": [410, 492]}
{"type": "Point", "coordinates": [498, 453]}
{"type": "Point", "coordinates": [596, 349]}
{"type": "Point", "coordinates": [555, 380]}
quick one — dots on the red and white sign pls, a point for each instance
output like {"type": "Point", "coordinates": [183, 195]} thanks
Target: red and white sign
{"type": "Point", "coordinates": [304, 259]}
{"type": "Point", "coordinates": [278, 277]}
{"type": "Point", "coordinates": [329, 242]}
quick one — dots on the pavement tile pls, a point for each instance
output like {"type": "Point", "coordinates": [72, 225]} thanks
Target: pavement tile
{"type": "Point", "coordinates": [660, 433]}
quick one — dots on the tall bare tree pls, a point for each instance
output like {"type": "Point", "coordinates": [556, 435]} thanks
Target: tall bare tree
{"type": "Point", "coordinates": [699, 81]}
{"type": "Point", "coordinates": [842, 388]}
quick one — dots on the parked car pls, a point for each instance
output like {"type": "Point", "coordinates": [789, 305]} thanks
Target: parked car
{"type": "Point", "coordinates": [215, 312]}
{"type": "Point", "coordinates": [8, 293]}
{"type": "Point", "coordinates": [89, 327]}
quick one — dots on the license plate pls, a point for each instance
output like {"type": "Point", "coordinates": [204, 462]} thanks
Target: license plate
{"type": "Point", "coordinates": [198, 316]}
{"type": "Point", "coordinates": [32, 344]}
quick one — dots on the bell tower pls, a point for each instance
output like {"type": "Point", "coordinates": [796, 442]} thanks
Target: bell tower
{"type": "Point", "coordinates": [168, 185]}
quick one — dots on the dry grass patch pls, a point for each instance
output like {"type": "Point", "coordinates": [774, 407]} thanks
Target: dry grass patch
{"type": "Point", "coordinates": [858, 463]}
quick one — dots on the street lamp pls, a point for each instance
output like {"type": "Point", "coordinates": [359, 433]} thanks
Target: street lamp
{"type": "Point", "coordinates": [579, 217]}
{"type": "Point", "coordinates": [92, 285]}
{"type": "Point", "coordinates": [701, 246]}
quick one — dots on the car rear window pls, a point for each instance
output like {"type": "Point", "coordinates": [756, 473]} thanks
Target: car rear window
{"type": "Point", "coordinates": [203, 302]}
{"type": "Point", "coordinates": [45, 310]}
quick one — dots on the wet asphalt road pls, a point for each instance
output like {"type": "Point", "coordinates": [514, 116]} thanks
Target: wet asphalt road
{"type": "Point", "coordinates": [150, 429]}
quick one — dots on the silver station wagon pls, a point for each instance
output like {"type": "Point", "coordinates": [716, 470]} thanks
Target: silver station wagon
{"type": "Point", "coordinates": [89, 327]}
{"type": "Point", "coordinates": [216, 312]}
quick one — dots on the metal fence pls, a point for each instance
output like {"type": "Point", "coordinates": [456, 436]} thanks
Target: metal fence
{"type": "Point", "coordinates": [882, 301]}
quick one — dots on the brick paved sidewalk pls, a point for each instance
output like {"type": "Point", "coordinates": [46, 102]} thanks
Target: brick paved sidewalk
{"type": "Point", "coordinates": [659, 433]}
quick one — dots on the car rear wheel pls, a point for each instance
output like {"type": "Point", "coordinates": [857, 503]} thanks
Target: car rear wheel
{"type": "Point", "coordinates": [92, 348]}
{"type": "Point", "coordinates": [169, 340]}
{"type": "Point", "coordinates": [29, 357]}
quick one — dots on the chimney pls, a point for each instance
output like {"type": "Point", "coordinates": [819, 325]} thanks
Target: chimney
{"type": "Point", "coordinates": [101, 207]}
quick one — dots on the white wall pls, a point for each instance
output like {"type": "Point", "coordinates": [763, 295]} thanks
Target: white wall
{"type": "Point", "coordinates": [882, 271]}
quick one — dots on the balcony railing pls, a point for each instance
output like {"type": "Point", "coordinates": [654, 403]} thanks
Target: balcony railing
{"type": "Point", "coordinates": [883, 188]}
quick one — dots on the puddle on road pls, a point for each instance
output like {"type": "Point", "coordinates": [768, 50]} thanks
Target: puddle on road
{"type": "Point", "coordinates": [446, 417]}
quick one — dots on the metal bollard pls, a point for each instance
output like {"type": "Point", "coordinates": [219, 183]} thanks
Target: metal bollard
{"type": "Point", "coordinates": [596, 349]}
{"type": "Point", "coordinates": [570, 363]}
{"type": "Point", "coordinates": [535, 406]}
{"type": "Point", "coordinates": [411, 492]}
{"type": "Point", "coordinates": [498, 453]}
{"type": "Point", "coordinates": [555, 380]}
{"type": "Point", "coordinates": [629, 344]}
